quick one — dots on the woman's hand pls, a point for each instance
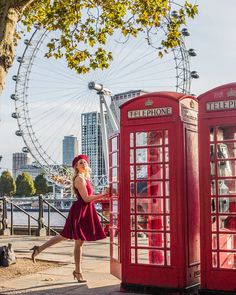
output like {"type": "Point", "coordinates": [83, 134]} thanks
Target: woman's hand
{"type": "Point", "coordinates": [106, 193]}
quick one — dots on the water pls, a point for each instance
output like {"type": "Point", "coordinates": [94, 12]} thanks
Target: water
{"type": "Point", "coordinates": [19, 218]}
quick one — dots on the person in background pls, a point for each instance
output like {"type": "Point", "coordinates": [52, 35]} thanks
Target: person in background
{"type": "Point", "coordinates": [82, 223]}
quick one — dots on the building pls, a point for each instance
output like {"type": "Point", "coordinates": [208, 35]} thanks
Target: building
{"type": "Point", "coordinates": [91, 143]}
{"type": "Point", "coordinates": [33, 170]}
{"type": "Point", "coordinates": [120, 98]}
{"type": "Point", "coordinates": [69, 149]}
{"type": "Point", "coordinates": [19, 160]}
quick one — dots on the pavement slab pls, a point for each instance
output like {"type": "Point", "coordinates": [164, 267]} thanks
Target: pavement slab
{"type": "Point", "coordinates": [59, 280]}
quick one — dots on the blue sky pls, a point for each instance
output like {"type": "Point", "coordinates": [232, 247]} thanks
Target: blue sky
{"type": "Point", "coordinates": [213, 38]}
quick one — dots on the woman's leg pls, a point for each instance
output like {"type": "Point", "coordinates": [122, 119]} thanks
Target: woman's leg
{"type": "Point", "coordinates": [54, 240]}
{"type": "Point", "coordinates": [78, 255]}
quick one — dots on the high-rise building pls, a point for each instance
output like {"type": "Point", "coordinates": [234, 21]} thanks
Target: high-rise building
{"type": "Point", "coordinates": [91, 143]}
{"type": "Point", "coordinates": [19, 160]}
{"type": "Point", "coordinates": [70, 149]}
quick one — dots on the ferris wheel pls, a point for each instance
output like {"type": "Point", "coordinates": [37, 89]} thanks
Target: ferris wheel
{"type": "Point", "coordinates": [50, 98]}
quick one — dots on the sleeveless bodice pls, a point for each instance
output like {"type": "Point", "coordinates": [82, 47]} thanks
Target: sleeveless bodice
{"type": "Point", "coordinates": [88, 187]}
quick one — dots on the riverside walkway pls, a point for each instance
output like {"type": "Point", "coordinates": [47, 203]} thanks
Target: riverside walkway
{"type": "Point", "coordinates": [59, 280]}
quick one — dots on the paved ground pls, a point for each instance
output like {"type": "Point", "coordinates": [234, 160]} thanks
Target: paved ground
{"type": "Point", "coordinates": [59, 280]}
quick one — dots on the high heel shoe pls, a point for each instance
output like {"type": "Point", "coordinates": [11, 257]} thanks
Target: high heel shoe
{"type": "Point", "coordinates": [35, 253]}
{"type": "Point", "coordinates": [80, 279]}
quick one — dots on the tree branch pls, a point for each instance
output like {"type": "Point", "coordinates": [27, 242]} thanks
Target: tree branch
{"type": "Point", "coordinates": [21, 4]}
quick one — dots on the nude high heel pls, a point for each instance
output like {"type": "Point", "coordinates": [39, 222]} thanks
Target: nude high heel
{"type": "Point", "coordinates": [35, 253]}
{"type": "Point", "coordinates": [80, 275]}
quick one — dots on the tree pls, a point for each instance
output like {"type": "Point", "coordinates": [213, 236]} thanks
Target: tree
{"type": "Point", "coordinates": [85, 25]}
{"type": "Point", "coordinates": [40, 184]}
{"type": "Point", "coordinates": [25, 185]}
{"type": "Point", "coordinates": [10, 13]}
{"type": "Point", "coordinates": [7, 184]}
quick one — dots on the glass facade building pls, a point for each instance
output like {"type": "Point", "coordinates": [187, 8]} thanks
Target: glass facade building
{"type": "Point", "coordinates": [91, 143]}
{"type": "Point", "coordinates": [70, 149]}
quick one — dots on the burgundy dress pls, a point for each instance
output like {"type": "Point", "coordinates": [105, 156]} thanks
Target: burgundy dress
{"type": "Point", "coordinates": [82, 222]}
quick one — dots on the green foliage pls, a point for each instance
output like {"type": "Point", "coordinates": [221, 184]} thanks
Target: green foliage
{"type": "Point", "coordinates": [85, 26]}
{"type": "Point", "coordinates": [7, 184]}
{"type": "Point", "coordinates": [25, 185]}
{"type": "Point", "coordinates": [40, 184]}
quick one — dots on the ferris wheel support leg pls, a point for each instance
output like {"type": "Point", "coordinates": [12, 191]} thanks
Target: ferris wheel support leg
{"type": "Point", "coordinates": [104, 133]}
{"type": "Point", "coordinates": [113, 121]}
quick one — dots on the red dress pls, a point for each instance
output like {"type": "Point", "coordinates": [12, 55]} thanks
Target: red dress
{"type": "Point", "coordinates": [82, 222]}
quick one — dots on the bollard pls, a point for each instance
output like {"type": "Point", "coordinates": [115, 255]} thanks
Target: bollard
{"type": "Point", "coordinates": [4, 230]}
{"type": "Point", "coordinates": [41, 228]}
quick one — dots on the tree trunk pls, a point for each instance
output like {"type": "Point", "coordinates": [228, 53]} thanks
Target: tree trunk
{"type": "Point", "coordinates": [10, 13]}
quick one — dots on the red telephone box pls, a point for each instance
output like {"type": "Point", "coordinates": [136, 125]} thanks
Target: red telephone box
{"type": "Point", "coordinates": [157, 199]}
{"type": "Point", "coordinates": [217, 154]}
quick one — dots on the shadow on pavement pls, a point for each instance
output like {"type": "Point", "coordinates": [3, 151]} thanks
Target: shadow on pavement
{"type": "Point", "coordinates": [70, 289]}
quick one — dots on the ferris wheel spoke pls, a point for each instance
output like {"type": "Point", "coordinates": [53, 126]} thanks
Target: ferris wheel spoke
{"type": "Point", "coordinates": [57, 94]}
{"type": "Point", "coordinates": [59, 69]}
{"type": "Point", "coordinates": [68, 117]}
{"type": "Point", "coordinates": [129, 70]}
{"type": "Point", "coordinates": [54, 110]}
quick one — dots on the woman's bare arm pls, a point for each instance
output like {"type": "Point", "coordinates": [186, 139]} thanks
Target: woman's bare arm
{"type": "Point", "coordinates": [80, 185]}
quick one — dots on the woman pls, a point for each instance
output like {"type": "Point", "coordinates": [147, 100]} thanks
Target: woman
{"type": "Point", "coordinates": [82, 223]}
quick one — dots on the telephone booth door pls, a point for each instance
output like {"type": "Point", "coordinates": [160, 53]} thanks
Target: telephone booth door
{"type": "Point", "coordinates": [148, 204]}
{"type": "Point", "coordinates": [158, 190]}
{"type": "Point", "coordinates": [115, 251]}
{"type": "Point", "coordinates": [217, 151]}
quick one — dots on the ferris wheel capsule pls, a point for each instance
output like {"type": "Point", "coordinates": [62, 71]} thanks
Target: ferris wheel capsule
{"type": "Point", "coordinates": [174, 14]}
{"type": "Point", "coordinates": [20, 59]}
{"type": "Point", "coordinates": [192, 52]}
{"type": "Point", "coordinates": [15, 115]}
{"type": "Point", "coordinates": [37, 26]}
{"type": "Point", "coordinates": [185, 32]}
{"type": "Point", "coordinates": [15, 78]}
{"type": "Point", "coordinates": [27, 42]}
{"type": "Point", "coordinates": [19, 133]}
{"type": "Point", "coordinates": [13, 97]}
{"type": "Point", "coordinates": [25, 149]}
{"type": "Point", "coordinates": [195, 75]}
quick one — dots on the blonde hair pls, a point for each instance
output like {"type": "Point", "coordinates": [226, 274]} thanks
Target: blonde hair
{"type": "Point", "coordinates": [86, 174]}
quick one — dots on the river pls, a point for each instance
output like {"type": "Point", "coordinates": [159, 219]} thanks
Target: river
{"type": "Point", "coordinates": [19, 218]}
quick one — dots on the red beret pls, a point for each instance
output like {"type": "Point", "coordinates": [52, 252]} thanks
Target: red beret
{"type": "Point", "coordinates": [79, 157]}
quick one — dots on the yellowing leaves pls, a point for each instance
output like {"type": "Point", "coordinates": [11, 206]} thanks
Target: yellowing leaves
{"type": "Point", "coordinates": [89, 23]}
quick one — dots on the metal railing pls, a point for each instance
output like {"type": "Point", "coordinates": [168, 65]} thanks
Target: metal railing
{"type": "Point", "coordinates": [44, 205]}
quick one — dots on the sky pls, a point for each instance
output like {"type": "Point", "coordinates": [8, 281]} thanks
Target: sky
{"type": "Point", "coordinates": [212, 35]}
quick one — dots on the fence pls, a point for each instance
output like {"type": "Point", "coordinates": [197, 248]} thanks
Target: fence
{"type": "Point", "coordinates": [42, 206]}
